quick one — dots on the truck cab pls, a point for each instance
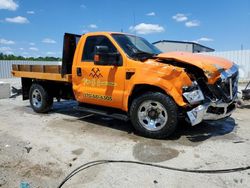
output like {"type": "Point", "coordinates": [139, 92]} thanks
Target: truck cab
{"type": "Point", "coordinates": [124, 74]}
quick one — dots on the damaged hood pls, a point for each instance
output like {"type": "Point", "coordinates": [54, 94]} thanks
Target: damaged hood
{"type": "Point", "coordinates": [212, 66]}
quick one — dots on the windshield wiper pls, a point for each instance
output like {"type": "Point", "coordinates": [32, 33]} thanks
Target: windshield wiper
{"type": "Point", "coordinates": [143, 55]}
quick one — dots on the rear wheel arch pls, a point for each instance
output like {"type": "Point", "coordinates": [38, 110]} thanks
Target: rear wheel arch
{"type": "Point", "coordinates": [26, 85]}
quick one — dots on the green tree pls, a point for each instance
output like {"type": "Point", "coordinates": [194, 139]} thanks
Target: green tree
{"type": "Point", "coordinates": [13, 57]}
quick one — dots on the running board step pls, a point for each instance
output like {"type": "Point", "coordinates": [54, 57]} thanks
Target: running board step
{"type": "Point", "coordinates": [107, 113]}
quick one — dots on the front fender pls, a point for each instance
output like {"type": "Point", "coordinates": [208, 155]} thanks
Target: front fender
{"type": "Point", "coordinates": [169, 78]}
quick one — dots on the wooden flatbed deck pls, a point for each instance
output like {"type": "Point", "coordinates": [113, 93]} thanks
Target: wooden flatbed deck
{"type": "Point", "coordinates": [41, 72]}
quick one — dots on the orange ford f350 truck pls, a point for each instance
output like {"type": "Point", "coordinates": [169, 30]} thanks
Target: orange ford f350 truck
{"type": "Point", "coordinates": [126, 77]}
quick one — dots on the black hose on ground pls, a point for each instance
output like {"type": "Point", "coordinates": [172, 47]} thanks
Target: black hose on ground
{"type": "Point", "coordinates": [99, 162]}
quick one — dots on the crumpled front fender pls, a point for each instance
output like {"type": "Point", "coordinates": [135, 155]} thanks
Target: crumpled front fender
{"type": "Point", "coordinates": [169, 78]}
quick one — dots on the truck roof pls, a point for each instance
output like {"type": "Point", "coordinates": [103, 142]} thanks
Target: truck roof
{"type": "Point", "coordinates": [107, 32]}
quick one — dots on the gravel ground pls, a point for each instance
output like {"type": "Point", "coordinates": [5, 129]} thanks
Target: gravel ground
{"type": "Point", "coordinates": [41, 149]}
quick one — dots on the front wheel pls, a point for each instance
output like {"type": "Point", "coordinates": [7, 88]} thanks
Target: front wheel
{"type": "Point", "coordinates": [40, 100]}
{"type": "Point", "coordinates": [154, 115]}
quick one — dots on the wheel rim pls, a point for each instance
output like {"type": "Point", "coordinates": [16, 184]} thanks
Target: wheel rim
{"type": "Point", "coordinates": [36, 98]}
{"type": "Point", "coordinates": [152, 115]}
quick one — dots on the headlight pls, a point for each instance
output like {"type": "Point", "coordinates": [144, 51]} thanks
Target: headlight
{"type": "Point", "coordinates": [193, 94]}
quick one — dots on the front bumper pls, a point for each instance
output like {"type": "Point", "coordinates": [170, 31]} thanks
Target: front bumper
{"type": "Point", "coordinates": [211, 111]}
{"type": "Point", "coordinates": [225, 93]}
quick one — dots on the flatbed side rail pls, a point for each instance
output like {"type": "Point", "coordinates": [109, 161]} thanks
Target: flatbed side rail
{"type": "Point", "coordinates": [42, 72]}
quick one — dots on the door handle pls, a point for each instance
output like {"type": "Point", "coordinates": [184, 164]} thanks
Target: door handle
{"type": "Point", "coordinates": [78, 71]}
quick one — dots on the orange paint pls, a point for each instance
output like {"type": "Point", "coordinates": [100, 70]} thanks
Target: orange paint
{"type": "Point", "coordinates": [207, 63]}
{"type": "Point", "coordinates": [108, 86]}
{"type": "Point", "coordinates": [43, 76]}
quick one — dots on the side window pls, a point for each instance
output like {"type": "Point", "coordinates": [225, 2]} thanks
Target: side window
{"type": "Point", "coordinates": [92, 42]}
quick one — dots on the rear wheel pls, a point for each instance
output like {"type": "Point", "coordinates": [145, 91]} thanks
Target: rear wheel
{"type": "Point", "coordinates": [40, 100]}
{"type": "Point", "coordinates": [154, 115]}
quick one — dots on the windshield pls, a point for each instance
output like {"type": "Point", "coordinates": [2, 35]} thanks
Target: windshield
{"type": "Point", "coordinates": [136, 47]}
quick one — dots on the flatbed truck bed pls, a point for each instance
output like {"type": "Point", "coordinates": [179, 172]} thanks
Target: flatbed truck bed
{"type": "Point", "coordinates": [41, 72]}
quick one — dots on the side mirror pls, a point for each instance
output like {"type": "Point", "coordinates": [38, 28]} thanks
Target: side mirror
{"type": "Point", "coordinates": [102, 56]}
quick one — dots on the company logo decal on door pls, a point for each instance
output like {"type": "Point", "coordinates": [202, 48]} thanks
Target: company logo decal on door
{"type": "Point", "coordinates": [95, 73]}
{"type": "Point", "coordinates": [97, 83]}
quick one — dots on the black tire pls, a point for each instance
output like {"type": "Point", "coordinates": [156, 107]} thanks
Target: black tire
{"type": "Point", "coordinates": [166, 103]}
{"type": "Point", "coordinates": [44, 100]}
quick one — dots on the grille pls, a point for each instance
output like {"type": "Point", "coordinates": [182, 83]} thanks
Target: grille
{"type": "Point", "coordinates": [227, 86]}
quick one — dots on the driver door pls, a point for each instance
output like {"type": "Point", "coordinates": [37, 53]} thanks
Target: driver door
{"type": "Point", "coordinates": [100, 84]}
